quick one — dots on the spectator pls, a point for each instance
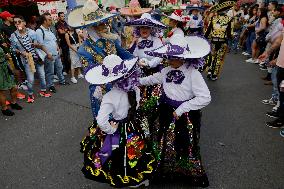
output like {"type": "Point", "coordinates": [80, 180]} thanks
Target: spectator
{"type": "Point", "coordinates": [6, 29]}
{"type": "Point", "coordinates": [46, 38]}
{"type": "Point", "coordinates": [72, 39]}
{"type": "Point", "coordinates": [7, 83]}
{"type": "Point", "coordinates": [24, 42]}
{"type": "Point", "coordinates": [61, 28]}
{"type": "Point", "coordinates": [271, 8]}
{"type": "Point", "coordinates": [32, 24]}
{"type": "Point", "coordinates": [259, 44]}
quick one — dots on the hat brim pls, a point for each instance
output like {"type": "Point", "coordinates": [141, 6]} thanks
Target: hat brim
{"type": "Point", "coordinates": [220, 7]}
{"type": "Point", "coordinates": [75, 18]}
{"type": "Point", "coordinates": [195, 8]}
{"type": "Point", "coordinates": [146, 22]}
{"type": "Point", "coordinates": [129, 12]}
{"type": "Point", "coordinates": [197, 46]}
{"type": "Point", "coordinates": [94, 75]}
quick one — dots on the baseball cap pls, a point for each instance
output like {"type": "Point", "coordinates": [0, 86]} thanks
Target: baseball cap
{"type": "Point", "coordinates": [5, 14]}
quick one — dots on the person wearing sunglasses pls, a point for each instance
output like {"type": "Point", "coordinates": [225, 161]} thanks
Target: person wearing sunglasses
{"type": "Point", "coordinates": [25, 43]}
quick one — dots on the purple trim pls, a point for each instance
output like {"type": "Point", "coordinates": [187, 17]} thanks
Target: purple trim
{"type": "Point", "coordinates": [170, 55]}
{"type": "Point", "coordinates": [145, 22]}
{"type": "Point", "coordinates": [145, 43]}
{"type": "Point", "coordinates": [106, 149]}
{"type": "Point", "coordinates": [167, 100]}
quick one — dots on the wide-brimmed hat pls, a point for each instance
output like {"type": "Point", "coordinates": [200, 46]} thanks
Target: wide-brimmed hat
{"type": "Point", "coordinates": [177, 15]}
{"type": "Point", "coordinates": [195, 7]}
{"type": "Point", "coordinates": [182, 47]}
{"type": "Point", "coordinates": [223, 6]}
{"type": "Point", "coordinates": [112, 69]}
{"type": "Point", "coordinates": [134, 9]}
{"type": "Point", "coordinates": [146, 20]}
{"type": "Point", "coordinates": [88, 14]}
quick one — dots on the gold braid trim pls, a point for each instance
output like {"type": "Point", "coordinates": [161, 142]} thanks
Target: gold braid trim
{"type": "Point", "coordinates": [124, 179]}
{"type": "Point", "coordinates": [221, 6]}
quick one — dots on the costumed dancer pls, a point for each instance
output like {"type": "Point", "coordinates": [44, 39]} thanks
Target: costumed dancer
{"type": "Point", "coordinates": [115, 151]}
{"type": "Point", "coordinates": [185, 92]}
{"type": "Point", "coordinates": [99, 43]}
{"type": "Point", "coordinates": [220, 29]}
{"type": "Point", "coordinates": [133, 11]}
{"type": "Point", "coordinates": [195, 23]}
{"type": "Point", "coordinates": [147, 30]}
{"type": "Point", "coordinates": [176, 24]}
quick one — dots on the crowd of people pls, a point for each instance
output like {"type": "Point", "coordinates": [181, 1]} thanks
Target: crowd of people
{"type": "Point", "coordinates": [258, 33]}
{"type": "Point", "coordinates": [144, 68]}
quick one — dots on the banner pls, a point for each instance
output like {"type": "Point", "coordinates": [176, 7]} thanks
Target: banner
{"type": "Point", "coordinates": [52, 7]}
{"type": "Point", "coordinates": [106, 3]}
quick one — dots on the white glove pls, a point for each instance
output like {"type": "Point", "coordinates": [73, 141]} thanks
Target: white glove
{"type": "Point", "coordinates": [143, 62]}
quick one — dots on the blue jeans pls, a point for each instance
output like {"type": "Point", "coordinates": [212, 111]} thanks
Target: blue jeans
{"type": "Point", "coordinates": [250, 38]}
{"type": "Point", "coordinates": [275, 91]}
{"type": "Point", "coordinates": [31, 77]}
{"type": "Point", "coordinates": [49, 70]}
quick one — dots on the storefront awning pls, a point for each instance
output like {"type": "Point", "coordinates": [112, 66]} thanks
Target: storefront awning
{"type": "Point", "coordinates": [4, 3]}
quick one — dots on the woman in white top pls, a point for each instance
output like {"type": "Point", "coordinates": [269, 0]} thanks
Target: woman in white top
{"type": "Point", "coordinates": [176, 23]}
{"type": "Point", "coordinates": [115, 150]}
{"type": "Point", "coordinates": [72, 40]}
{"type": "Point", "coordinates": [184, 94]}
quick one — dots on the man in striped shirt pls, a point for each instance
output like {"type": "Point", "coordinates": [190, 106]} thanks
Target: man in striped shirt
{"type": "Point", "coordinates": [24, 42]}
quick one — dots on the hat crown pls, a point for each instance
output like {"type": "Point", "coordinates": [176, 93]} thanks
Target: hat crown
{"type": "Point", "coordinates": [146, 15]}
{"type": "Point", "coordinates": [113, 65]}
{"type": "Point", "coordinates": [89, 7]}
{"type": "Point", "coordinates": [178, 39]}
{"type": "Point", "coordinates": [134, 4]}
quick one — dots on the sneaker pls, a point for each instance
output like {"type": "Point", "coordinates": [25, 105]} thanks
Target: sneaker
{"type": "Point", "coordinates": [23, 86]}
{"type": "Point", "coordinates": [55, 80]}
{"type": "Point", "coordinates": [80, 76]}
{"type": "Point", "coordinates": [44, 94]}
{"type": "Point", "coordinates": [275, 124]}
{"type": "Point", "coordinates": [263, 68]}
{"type": "Point", "coordinates": [275, 108]}
{"type": "Point", "coordinates": [64, 73]}
{"type": "Point", "coordinates": [273, 114]}
{"type": "Point", "coordinates": [243, 53]}
{"type": "Point", "coordinates": [213, 78]}
{"type": "Point", "coordinates": [20, 96]}
{"type": "Point", "coordinates": [16, 106]}
{"type": "Point", "coordinates": [8, 112]}
{"type": "Point", "coordinates": [52, 89]}
{"type": "Point", "coordinates": [145, 183]}
{"type": "Point", "coordinates": [256, 61]}
{"type": "Point", "coordinates": [270, 101]}
{"type": "Point", "coordinates": [282, 132]}
{"type": "Point", "coordinates": [31, 99]}
{"type": "Point", "coordinates": [250, 60]}
{"type": "Point", "coordinates": [64, 83]}
{"type": "Point", "coordinates": [55, 77]}
{"type": "Point", "coordinates": [74, 80]}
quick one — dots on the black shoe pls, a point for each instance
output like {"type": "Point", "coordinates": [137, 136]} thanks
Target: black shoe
{"type": "Point", "coordinates": [273, 114]}
{"type": "Point", "coordinates": [64, 83]}
{"type": "Point", "coordinates": [52, 89]}
{"type": "Point", "coordinates": [16, 106]}
{"type": "Point", "coordinates": [8, 112]}
{"type": "Point", "coordinates": [275, 124]}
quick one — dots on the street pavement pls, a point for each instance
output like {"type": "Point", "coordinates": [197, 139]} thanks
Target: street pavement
{"type": "Point", "coordinates": [39, 147]}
